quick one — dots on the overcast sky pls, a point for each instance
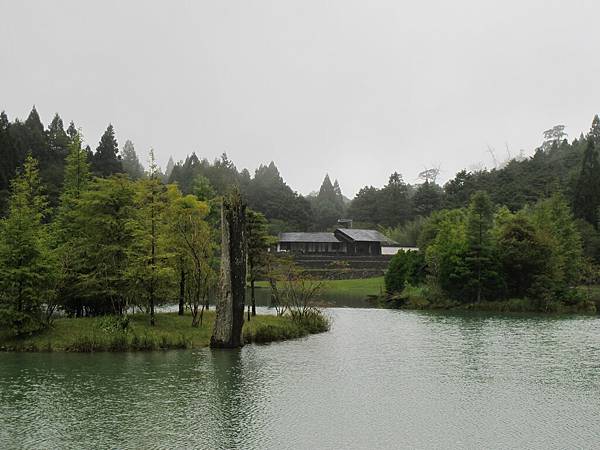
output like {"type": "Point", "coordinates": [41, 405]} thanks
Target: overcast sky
{"type": "Point", "coordinates": [357, 89]}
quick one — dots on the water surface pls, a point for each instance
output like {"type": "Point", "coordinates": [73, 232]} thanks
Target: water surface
{"type": "Point", "coordinates": [380, 378]}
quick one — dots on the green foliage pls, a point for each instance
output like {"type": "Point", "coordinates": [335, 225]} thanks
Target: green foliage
{"type": "Point", "coordinates": [133, 333]}
{"type": "Point", "coordinates": [114, 324]}
{"type": "Point", "coordinates": [106, 161]}
{"type": "Point", "coordinates": [191, 239]}
{"type": "Point", "coordinates": [406, 235]}
{"type": "Point", "coordinates": [587, 191]}
{"type": "Point", "coordinates": [150, 275]}
{"type": "Point", "coordinates": [328, 205]}
{"type": "Point", "coordinates": [526, 258]}
{"type": "Point", "coordinates": [486, 254]}
{"type": "Point", "coordinates": [130, 162]}
{"type": "Point", "coordinates": [405, 267]}
{"type": "Point", "coordinates": [554, 219]}
{"type": "Point", "coordinates": [104, 212]}
{"type": "Point", "coordinates": [26, 265]}
{"type": "Point", "coordinates": [202, 188]}
{"type": "Point", "coordinates": [428, 197]}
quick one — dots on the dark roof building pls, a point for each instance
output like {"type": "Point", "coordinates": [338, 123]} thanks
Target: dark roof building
{"type": "Point", "coordinates": [345, 241]}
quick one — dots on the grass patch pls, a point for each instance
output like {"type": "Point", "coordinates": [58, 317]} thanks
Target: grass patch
{"type": "Point", "coordinates": [359, 287]}
{"type": "Point", "coordinates": [171, 331]}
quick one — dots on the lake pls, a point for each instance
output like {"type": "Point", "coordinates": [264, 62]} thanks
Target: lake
{"type": "Point", "coordinates": [379, 379]}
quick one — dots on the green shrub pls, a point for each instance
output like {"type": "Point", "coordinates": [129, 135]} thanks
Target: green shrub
{"type": "Point", "coordinates": [405, 267]}
{"type": "Point", "coordinates": [14, 323]}
{"type": "Point", "coordinates": [114, 324]}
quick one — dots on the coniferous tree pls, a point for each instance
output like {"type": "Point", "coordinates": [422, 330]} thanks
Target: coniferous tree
{"type": "Point", "coordinates": [480, 220]}
{"type": "Point", "coordinates": [9, 160]}
{"type": "Point", "coordinates": [328, 205]}
{"type": "Point", "coordinates": [52, 169]}
{"type": "Point", "coordinates": [587, 191]}
{"type": "Point", "coordinates": [66, 232]}
{"type": "Point", "coordinates": [26, 269]}
{"type": "Point", "coordinates": [148, 268]}
{"type": "Point", "coordinates": [72, 131]}
{"type": "Point", "coordinates": [131, 163]}
{"type": "Point", "coordinates": [428, 197]}
{"type": "Point", "coordinates": [169, 169]}
{"type": "Point", "coordinates": [104, 211]}
{"type": "Point", "coordinates": [106, 160]}
{"type": "Point", "coordinates": [36, 137]}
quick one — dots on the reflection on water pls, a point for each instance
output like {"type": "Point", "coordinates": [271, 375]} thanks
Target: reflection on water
{"type": "Point", "coordinates": [380, 378]}
{"type": "Point", "coordinates": [326, 299]}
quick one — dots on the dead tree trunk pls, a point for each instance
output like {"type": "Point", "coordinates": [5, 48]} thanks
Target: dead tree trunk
{"type": "Point", "coordinates": [227, 332]}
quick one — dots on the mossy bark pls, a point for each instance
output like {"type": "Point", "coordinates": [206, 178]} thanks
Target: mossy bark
{"type": "Point", "coordinates": [227, 332]}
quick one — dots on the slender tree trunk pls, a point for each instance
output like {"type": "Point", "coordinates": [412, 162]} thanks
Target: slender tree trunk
{"type": "Point", "coordinates": [253, 298]}
{"type": "Point", "coordinates": [227, 332]}
{"type": "Point", "coordinates": [181, 291]}
{"type": "Point", "coordinates": [153, 270]}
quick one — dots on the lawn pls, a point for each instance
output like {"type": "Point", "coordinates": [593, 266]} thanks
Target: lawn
{"type": "Point", "coordinates": [355, 288]}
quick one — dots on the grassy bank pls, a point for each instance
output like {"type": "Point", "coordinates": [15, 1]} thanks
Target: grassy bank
{"type": "Point", "coordinates": [356, 288]}
{"type": "Point", "coordinates": [419, 298]}
{"type": "Point", "coordinates": [170, 332]}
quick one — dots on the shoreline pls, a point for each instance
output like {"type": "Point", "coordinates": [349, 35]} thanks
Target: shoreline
{"type": "Point", "coordinates": [90, 334]}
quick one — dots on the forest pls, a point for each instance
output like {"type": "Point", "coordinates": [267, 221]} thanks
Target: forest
{"type": "Point", "coordinates": [92, 232]}
{"type": "Point", "coordinates": [528, 249]}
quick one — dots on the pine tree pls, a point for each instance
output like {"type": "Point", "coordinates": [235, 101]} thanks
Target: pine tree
{"type": "Point", "coordinates": [72, 131]}
{"type": "Point", "coordinates": [9, 160]}
{"type": "Point", "coordinates": [587, 191]}
{"type": "Point", "coordinates": [106, 161]}
{"type": "Point", "coordinates": [169, 169]}
{"type": "Point", "coordinates": [35, 139]}
{"type": "Point", "coordinates": [594, 133]}
{"type": "Point", "coordinates": [130, 161]}
{"type": "Point", "coordinates": [58, 140]}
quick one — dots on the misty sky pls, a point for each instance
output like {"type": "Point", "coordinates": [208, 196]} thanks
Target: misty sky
{"type": "Point", "coordinates": [357, 89]}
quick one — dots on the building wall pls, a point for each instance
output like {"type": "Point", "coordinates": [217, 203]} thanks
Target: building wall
{"type": "Point", "coordinates": [314, 248]}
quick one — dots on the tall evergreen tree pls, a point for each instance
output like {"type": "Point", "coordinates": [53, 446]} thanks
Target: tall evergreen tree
{"type": "Point", "coordinates": [428, 197]}
{"type": "Point", "coordinates": [328, 205]}
{"type": "Point", "coordinates": [106, 160]}
{"type": "Point", "coordinates": [58, 140]}
{"type": "Point", "coordinates": [131, 163]}
{"type": "Point", "coordinates": [169, 169]}
{"type": "Point", "coordinates": [72, 131]}
{"type": "Point", "coordinates": [587, 190]}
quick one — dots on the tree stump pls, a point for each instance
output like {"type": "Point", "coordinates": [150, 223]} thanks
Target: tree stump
{"type": "Point", "coordinates": [227, 332]}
